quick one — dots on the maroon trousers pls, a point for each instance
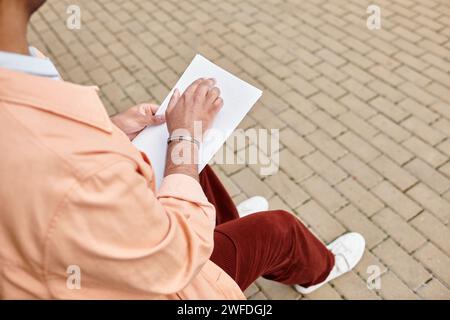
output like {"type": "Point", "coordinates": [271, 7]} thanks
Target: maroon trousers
{"type": "Point", "coordinates": [272, 244]}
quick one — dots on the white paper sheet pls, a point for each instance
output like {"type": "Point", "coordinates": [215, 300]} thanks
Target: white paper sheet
{"type": "Point", "coordinates": [238, 96]}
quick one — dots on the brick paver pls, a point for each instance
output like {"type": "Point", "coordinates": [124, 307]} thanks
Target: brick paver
{"type": "Point", "coordinates": [364, 115]}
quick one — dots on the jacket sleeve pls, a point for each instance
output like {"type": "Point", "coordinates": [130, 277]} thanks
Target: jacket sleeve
{"type": "Point", "coordinates": [124, 237]}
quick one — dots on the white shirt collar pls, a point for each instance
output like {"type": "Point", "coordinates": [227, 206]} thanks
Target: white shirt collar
{"type": "Point", "coordinates": [31, 64]}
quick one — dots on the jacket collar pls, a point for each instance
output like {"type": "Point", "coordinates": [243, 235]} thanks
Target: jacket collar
{"type": "Point", "coordinates": [79, 103]}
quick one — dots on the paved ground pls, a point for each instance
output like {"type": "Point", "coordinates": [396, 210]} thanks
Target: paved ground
{"type": "Point", "coordinates": [364, 115]}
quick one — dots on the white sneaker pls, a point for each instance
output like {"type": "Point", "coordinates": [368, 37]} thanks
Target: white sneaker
{"type": "Point", "coordinates": [252, 205]}
{"type": "Point", "coordinates": [348, 249]}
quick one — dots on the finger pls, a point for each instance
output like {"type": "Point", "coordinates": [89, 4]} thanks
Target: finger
{"type": "Point", "coordinates": [154, 108]}
{"type": "Point", "coordinates": [189, 94]}
{"type": "Point", "coordinates": [148, 117]}
{"type": "Point", "coordinates": [203, 88]}
{"type": "Point", "coordinates": [202, 91]}
{"type": "Point", "coordinates": [144, 109]}
{"type": "Point", "coordinates": [155, 119]}
{"type": "Point", "coordinates": [148, 109]}
{"type": "Point", "coordinates": [212, 96]}
{"type": "Point", "coordinates": [218, 104]}
{"type": "Point", "coordinates": [173, 100]}
{"type": "Point", "coordinates": [159, 119]}
{"type": "Point", "coordinates": [192, 88]}
{"type": "Point", "coordinates": [211, 82]}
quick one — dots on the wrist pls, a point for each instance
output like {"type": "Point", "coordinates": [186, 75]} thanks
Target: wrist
{"type": "Point", "coordinates": [116, 119]}
{"type": "Point", "coordinates": [187, 138]}
{"type": "Point", "coordinates": [120, 122]}
{"type": "Point", "coordinates": [182, 152]}
{"type": "Point", "coordinates": [195, 131]}
{"type": "Point", "coordinates": [182, 157]}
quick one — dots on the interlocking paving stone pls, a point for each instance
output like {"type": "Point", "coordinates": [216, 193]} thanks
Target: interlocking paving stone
{"type": "Point", "coordinates": [365, 115]}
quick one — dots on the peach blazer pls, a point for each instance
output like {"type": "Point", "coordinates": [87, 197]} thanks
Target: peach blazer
{"type": "Point", "coordinates": [75, 193]}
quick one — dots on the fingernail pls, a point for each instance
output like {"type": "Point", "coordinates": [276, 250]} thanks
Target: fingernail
{"type": "Point", "coordinates": [159, 118]}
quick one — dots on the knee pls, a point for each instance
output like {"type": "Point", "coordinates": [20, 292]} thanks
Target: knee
{"type": "Point", "coordinates": [281, 222]}
{"type": "Point", "coordinates": [282, 216]}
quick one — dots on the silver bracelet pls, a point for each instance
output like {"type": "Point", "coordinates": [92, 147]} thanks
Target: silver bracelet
{"type": "Point", "coordinates": [184, 138]}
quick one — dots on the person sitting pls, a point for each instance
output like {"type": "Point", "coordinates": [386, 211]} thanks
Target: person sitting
{"type": "Point", "coordinates": [75, 194]}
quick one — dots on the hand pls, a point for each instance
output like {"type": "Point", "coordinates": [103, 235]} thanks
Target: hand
{"type": "Point", "coordinates": [135, 119]}
{"type": "Point", "coordinates": [199, 104]}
